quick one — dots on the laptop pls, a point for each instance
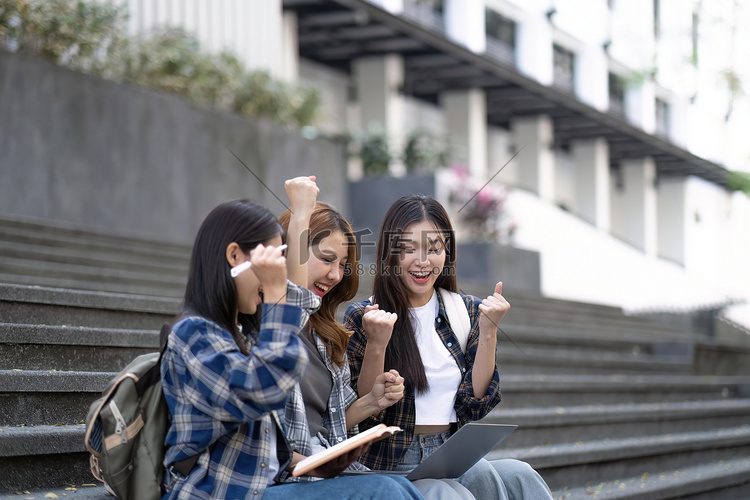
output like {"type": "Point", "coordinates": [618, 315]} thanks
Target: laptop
{"type": "Point", "coordinates": [462, 450]}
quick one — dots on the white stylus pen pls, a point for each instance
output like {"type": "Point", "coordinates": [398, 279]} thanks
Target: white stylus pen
{"type": "Point", "coordinates": [241, 268]}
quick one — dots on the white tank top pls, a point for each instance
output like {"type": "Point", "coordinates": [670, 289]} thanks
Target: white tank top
{"type": "Point", "coordinates": [435, 407]}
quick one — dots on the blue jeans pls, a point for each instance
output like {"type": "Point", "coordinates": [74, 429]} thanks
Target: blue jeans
{"type": "Point", "coordinates": [374, 487]}
{"type": "Point", "coordinates": [497, 480]}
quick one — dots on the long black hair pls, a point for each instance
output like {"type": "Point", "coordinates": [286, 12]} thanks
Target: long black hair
{"type": "Point", "coordinates": [390, 292]}
{"type": "Point", "coordinates": [210, 290]}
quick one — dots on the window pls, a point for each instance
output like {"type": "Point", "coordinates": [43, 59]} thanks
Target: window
{"type": "Point", "coordinates": [563, 68]}
{"type": "Point", "coordinates": [662, 117]}
{"type": "Point", "coordinates": [616, 94]}
{"type": "Point", "coordinates": [427, 12]}
{"type": "Point", "coordinates": [501, 36]}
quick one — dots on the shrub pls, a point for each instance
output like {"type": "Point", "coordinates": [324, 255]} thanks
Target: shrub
{"type": "Point", "coordinates": [90, 36]}
{"type": "Point", "coordinates": [82, 35]}
{"type": "Point", "coordinates": [739, 181]}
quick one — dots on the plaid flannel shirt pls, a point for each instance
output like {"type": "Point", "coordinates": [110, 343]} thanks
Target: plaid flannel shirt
{"type": "Point", "coordinates": [387, 453]}
{"type": "Point", "coordinates": [223, 404]}
{"type": "Point", "coordinates": [341, 397]}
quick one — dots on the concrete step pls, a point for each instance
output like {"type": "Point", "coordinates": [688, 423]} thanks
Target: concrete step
{"type": "Point", "coordinates": [105, 259]}
{"type": "Point", "coordinates": [540, 306]}
{"type": "Point", "coordinates": [43, 457]}
{"type": "Point", "coordinates": [22, 304]}
{"type": "Point", "coordinates": [63, 234]}
{"type": "Point", "coordinates": [640, 343]}
{"type": "Point", "coordinates": [716, 480]}
{"type": "Point", "coordinates": [83, 491]}
{"type": "Point", "coordinates": [613, 459]}
{"type": "Point", "coordinates": [537, 311]}
{"type": "Point", "coordinates": [572, 424]}
{"type": "Point", "coordinates": [94, 274]}
{"type": "Point", "coordinates": [93, 286]}
{"type": "Point", "coordinates": [528, 391]}
{"type": "Point", "coordinates": [37, 397]}
{"type": "Point", "coordinates": [70, 348]}
{"type": "Point", "coordinates": [540, 360]}
{"type": "Point", "coordinates": [586, 324]}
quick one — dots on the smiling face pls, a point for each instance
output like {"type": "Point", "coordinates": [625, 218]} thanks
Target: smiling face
{"type": "Point", "coordinates": [249, 291]}
{"type": "Point", "coordinates": [421, 259]}
{"type": "Point", "coordinates": [328, 259]}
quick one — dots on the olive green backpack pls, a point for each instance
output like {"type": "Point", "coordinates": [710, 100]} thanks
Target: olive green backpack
{"type": "Point", "coordinates": [126, 427]}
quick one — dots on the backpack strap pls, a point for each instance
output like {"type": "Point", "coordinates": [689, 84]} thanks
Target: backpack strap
{"type": "Point", "coordinates": [458, 316]}
{"type": "Point", "coordinates": [185, 465]}
{"type": "Point", "coordinates": [154, 374]}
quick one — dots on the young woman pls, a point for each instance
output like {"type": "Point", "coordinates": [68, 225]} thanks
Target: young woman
{"type": "Point", "coordinates": [406, 327]}
{"type": "Point", "coordinates": [322, 255]}
{"type": "Point", "coordinates": [232, 358]}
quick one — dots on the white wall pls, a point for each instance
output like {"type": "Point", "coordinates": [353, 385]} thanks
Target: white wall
{"type": "Point", "coordinates": [419, 114]}
{"type": "Point", "coordinates": [671, 218]}
{"type": "Point", "coordinates": [706, 228]}
{"type": "Point", "coordinates": [252, 29]}
{"type": "Point", "coordinates": [734, 263]}
{"type": "Point", "coordinates": [334, 89]}
{"type": "Point", "coordinates": [565, 179]}
{"type": "Point", "coordinates": [500, 149]}
{"type": "Point", "coordinates": [632, 29]}
{"type": "Point", "coordinates": [581, 262]}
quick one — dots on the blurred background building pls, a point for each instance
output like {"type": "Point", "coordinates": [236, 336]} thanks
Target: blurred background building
{"type": "Point", "coordinates": [590, 153]}
{"type": "Point", "coordinates": [623, 119]}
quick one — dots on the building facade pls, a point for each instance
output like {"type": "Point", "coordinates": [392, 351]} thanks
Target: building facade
{"type": "Point", "coordinates": [624, 116]}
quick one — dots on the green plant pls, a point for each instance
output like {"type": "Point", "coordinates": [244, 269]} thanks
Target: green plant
{"type": "Point", "coordinates": [170, 59]}
{"type": "Point", "coordinates": [82, 35]}
{"type": "Point", "coordinates": [88, 35]}
{"type": "Point", "coordinates": [424, 152]}
{"type": "Point", "coordinates": [739, 181]}
{"type": "Point", "coordinates": [375, 154]}
{"type": "Point", "coordinates": [261, 95]}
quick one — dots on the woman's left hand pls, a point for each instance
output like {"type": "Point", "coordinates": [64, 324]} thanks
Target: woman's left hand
{"type": "Point", "coordinates": [492, 310]}
{"type": "Point", "coordinates": [336, 466]}
{"type": "Point", "coordinates": [388, 388]}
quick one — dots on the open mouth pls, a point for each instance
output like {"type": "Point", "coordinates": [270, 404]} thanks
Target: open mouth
{"type": "Point", "coordinates": [321, 288]}
{"type": "Point", "coordinates": [421, 277]}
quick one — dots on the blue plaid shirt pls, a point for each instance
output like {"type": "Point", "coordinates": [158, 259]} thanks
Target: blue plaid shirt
{"type": "Point", "coordinates": [387, 453]}
{"type": "Point", "coordinates": [218, 395]}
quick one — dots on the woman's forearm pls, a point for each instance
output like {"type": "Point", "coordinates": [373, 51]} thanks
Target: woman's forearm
{"type": "Point", "coordinates": [372, 365]}
{"type": "Point", "coordinates": [298, 253]}
{"type": "Point", "coordinates": [359, 410]}
{"type": "Point", "coordinates": [484, 363]}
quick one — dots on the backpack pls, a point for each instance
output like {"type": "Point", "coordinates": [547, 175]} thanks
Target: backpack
{"type": "Point", "coordinates": [126, 427]}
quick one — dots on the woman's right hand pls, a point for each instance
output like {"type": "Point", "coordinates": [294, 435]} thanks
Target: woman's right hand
{"type": "Point", "coordinates": [378, 325]}
{"type": "Point", "coordinates": [302, 193]}
{"type": "Point", "coordinates": [388, 389]}
{"type": "Point", "coordinates": [269, 265]}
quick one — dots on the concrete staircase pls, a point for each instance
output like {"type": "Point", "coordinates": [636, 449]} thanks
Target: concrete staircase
{"type": "Point", "coordinates": [608, 405]}
{"type": "Point", "coordinates": [64, 256]}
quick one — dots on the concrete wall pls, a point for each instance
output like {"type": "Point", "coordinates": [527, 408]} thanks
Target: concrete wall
{"type": "Point", "coordinates": [80, 149]}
